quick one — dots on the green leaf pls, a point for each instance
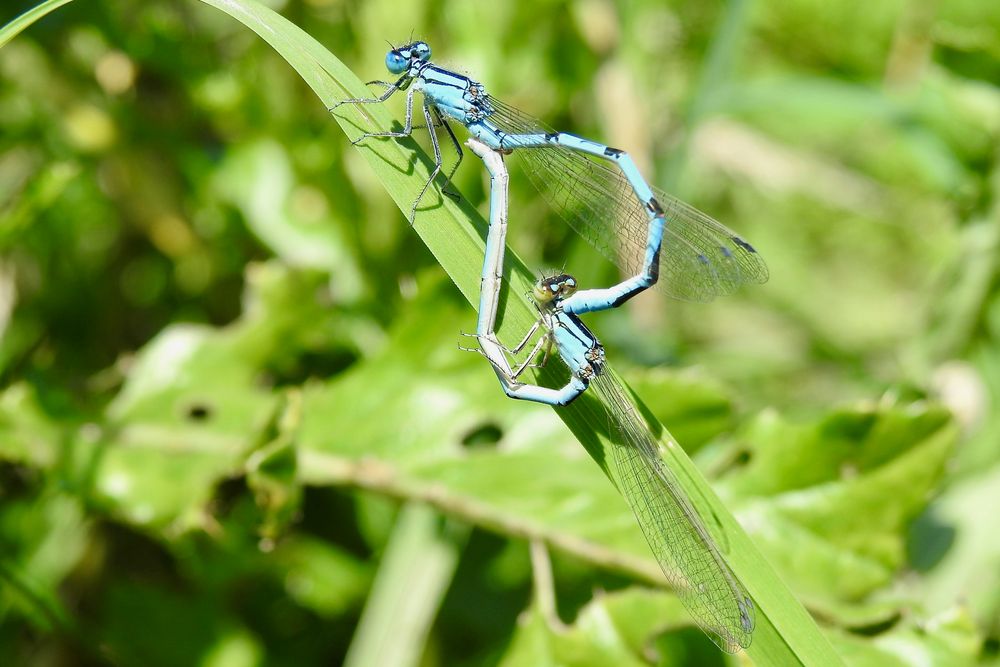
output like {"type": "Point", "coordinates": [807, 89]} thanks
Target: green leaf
{"type": "Point", "coordinates": [697, 407]}
{"type": "Point", "coordinates": [258, 180]}
{"type": "Point", "coordinates": [824, 487]}
{"type": "Point", "coordinates": [28, 434]}
{"type": "Point", "coordinates": [188, 416]}
{"type": "Point", "coordinates": [633, 626]}
{"type": "Point", "coordinates": [319, 576]}
{"type": "Point", "coordinates": [958, 555]}
{"type": "Point", "coordinates": [951, 638]}
{"type": "Point", "coordinates": [191, 411]}
{"type": "Point", "coordinates": [44, 537]}
{"type": "Point", "coordinates": [272, 474]}
{"type": "Point", "coordinates": [537, 642]}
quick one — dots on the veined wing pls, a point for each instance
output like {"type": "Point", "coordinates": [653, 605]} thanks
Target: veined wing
{"type": "Point", "coordinates": [682, 545]}
{"type": "Point", "coordinates": [700, 258]}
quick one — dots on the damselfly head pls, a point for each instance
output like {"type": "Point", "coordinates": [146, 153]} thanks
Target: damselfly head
{"type": "Point", "coordinates": [554, 288]}
{"type": "Point", "coordinates": [399, 59]}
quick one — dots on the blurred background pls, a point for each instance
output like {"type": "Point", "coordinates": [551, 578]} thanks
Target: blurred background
{"type": "Point", "coordinates": [235, 427]}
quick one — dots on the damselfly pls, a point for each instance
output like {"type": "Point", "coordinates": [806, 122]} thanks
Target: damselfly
{"type": "Point", "coordinates": [678, 538]}
{"type": "Point", "coordinates": [650, 234]}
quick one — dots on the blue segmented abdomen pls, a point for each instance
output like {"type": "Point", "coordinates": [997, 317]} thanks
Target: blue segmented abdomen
{"type": "Point", "coordinates": [699, 259]}
{"type": "Point", "coordinates": [609, 207]}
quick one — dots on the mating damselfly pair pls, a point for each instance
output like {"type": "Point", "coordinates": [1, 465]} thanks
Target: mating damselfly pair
{"type": "Point", "coordinates": [655, 238]}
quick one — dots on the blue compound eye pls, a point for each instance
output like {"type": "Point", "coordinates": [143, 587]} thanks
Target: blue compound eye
{"type": "Point", "coordinates": [422, 50]}
{"type": "Point", "coordinates": [395, 62]}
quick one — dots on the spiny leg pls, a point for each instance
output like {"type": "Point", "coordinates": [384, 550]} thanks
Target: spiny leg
{"type": "Point", "coordinates": [407, 127]}
{"type": "Point", "coordinates": [377, 82]}
{"type": "Point", "coordinates": [421, 126]}
{"type": "Point", "coordinates": [544, 343]}
{"type": "Point", "coordinates": [437, 162]}
{"type": "Point", "coordinates": [533, 392]}
{"type": "Point", "coordinates": [391, 88]}
{"type": "Point", "coordinates": [446, 188]}
{"type": "Point", "coordinates": [524, 341]}
{"type": "Point", "coordinates": [408, 130]}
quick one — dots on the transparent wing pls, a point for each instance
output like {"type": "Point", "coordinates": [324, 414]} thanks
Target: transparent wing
{"type": "Point", "coordinates": [682, 545]}
{"type": "Point", "coordinates": [700, 258]}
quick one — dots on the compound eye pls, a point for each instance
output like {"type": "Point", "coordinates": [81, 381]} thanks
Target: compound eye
{"type": "Point", "coordinates": [395, 62]}
{"type": "Point", "coordinates": [568, 286]}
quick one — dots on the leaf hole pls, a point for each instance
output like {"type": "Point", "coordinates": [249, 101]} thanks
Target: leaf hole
{"type": "Point", "coordinates": [199, 412]}
{"type": "Point", "coordinates": [485, 435]}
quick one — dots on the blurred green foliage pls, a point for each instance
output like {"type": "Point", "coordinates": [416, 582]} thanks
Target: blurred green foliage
{"type": "Point", "coordinates": [227, 363]}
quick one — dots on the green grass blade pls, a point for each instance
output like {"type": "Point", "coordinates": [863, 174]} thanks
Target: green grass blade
{"type": "Point", "coordinates": [413, 577]}
{"type": "Point", "coordinates": [12, 29]}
